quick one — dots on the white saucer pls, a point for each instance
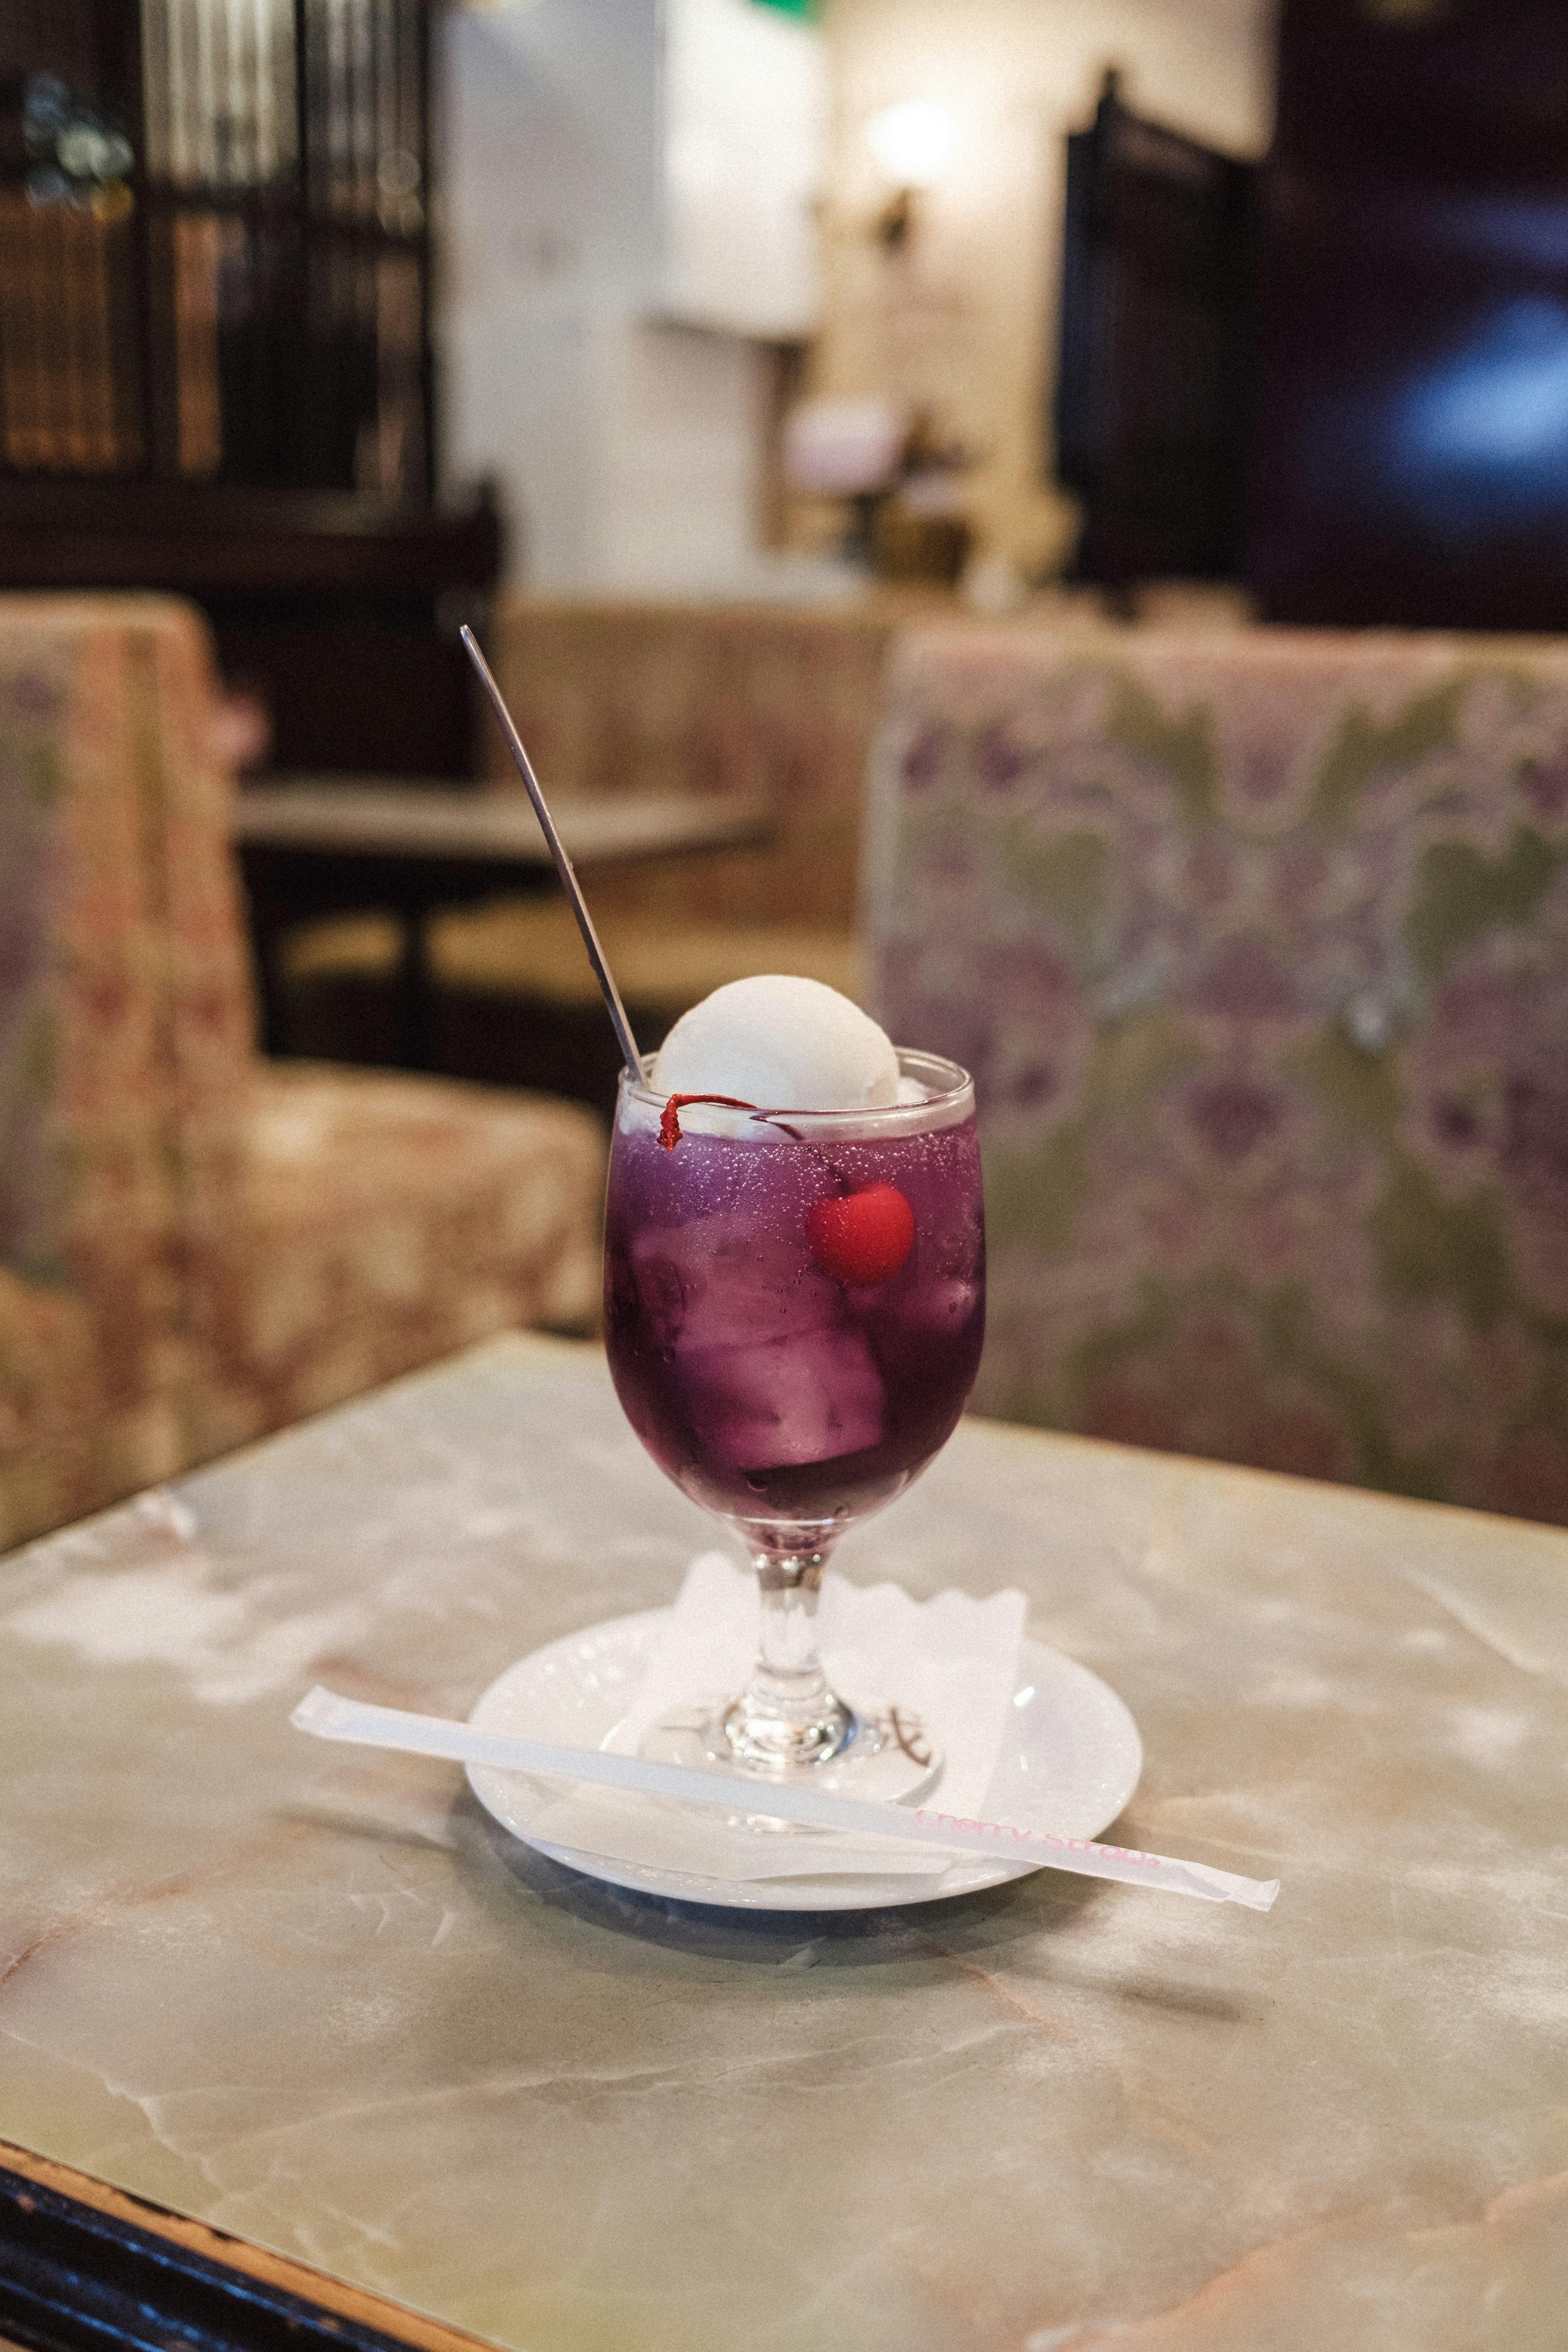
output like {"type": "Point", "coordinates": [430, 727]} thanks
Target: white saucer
{"type": "Point", "coordinates": [1069, 1764]}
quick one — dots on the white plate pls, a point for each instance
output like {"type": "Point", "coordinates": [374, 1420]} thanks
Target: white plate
{"type": "Point", "coordinates": [1069, 1764]}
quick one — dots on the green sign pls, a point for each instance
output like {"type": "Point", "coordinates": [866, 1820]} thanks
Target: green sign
{"type": "Point", "coordinates": [790, 7]}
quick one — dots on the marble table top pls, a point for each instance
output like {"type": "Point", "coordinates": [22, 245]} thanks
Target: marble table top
{"type": "Point", "coordinates": [314, 1996]}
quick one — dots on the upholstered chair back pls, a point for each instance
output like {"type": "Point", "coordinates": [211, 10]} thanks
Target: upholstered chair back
{"type": "Point", "coordinates": [124, 1014]}
{"type": "Point", "coordinates": [196, 1246]}
{"type": "Point", "coordinates": [1258, 947]}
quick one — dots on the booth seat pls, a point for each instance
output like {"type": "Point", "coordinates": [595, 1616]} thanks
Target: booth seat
{"type": "Point", "coordinates": [195, 1247]}
{"type": "Point", "coordinates": [1258, 949]}
{"type": "Point", "coordinates": [774, 702]}
{"type": "Point", "coordinates": [780, 700]}
{"type": "Point", "coordinates": [612, 698]}
{"type": "Point", "coordinates": [770, 702]}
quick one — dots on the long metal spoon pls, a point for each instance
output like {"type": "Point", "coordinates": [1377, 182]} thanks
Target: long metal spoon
{"type": "Point", "coordinates": [569, 882]}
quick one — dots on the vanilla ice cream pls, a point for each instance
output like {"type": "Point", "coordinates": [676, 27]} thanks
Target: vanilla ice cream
{"type": "Point", "coordinates": [782, 1044]}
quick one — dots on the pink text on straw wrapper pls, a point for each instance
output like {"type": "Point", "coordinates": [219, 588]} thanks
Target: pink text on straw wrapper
{"type": "Point", "coordinates": [1037, 1837]}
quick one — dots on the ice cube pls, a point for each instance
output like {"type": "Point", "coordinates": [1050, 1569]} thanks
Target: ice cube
{"type": "Point", "coordinates": [779, 1404]}
{"type": "Point", "coordinates": [721, 1282]}
{"type": "Point", "coordinates": [937, 1307]}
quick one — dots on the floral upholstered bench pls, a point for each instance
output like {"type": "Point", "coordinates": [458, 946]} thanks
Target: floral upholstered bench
{"type": "Point", "coordinates": [1258, 949]}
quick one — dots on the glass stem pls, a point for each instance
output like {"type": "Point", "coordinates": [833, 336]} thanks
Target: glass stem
{"type": "Point", "coordinates": [786, 1714]}
{"type": "Point", "coordinates": [788, 1668]}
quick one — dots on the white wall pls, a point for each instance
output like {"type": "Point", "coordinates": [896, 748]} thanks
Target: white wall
{"type": "Point", "coordinates": [629, 452]}
{"type": "Point", "coordinates": [628, 195]}
{"type": "Point", "coordinates": [746, 101]}
{"type": "Point", "coordinates": [550, 149]}
{"type": "Point", "coordinates": [966, 322]}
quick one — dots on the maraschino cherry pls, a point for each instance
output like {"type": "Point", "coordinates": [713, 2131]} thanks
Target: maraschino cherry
{"type": "Point", "coordinates": [861, 1237]}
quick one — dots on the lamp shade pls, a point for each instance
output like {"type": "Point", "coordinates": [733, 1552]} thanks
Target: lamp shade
{"type": "Point", "coordinates": [911, 140]}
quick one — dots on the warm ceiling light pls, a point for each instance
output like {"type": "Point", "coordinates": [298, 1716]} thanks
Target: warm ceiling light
{"type": "Point", "coordinates": [911, 140]}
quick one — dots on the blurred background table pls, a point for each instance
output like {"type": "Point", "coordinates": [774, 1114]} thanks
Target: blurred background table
{"type": "Point", "coordinates": [318, 845]}
{"type": "Point", "coordinates": [315, 1998]}
{"type": "Point", "coordinates": [620, 700]}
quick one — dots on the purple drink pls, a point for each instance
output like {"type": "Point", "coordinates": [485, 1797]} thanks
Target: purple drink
{"type": "Point", "coordinates": [767, 1359]}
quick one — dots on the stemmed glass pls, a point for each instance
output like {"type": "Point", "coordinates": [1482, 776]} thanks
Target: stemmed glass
{"type": "Point", "coordinates": [794, 1308]}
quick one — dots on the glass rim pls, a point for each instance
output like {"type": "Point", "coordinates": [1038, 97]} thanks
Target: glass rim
{"type": "Point", "coordinates": [948, 1096]}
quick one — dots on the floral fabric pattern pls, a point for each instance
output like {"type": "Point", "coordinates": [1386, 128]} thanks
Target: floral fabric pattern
{"type": "Point", "coordinates": [388, 1221]}
{"type": "Point", "coordinates": [86, 1232]}
{"type": "Point", "coordinates": [1258, 948]}
{"type": "Point", "coordinates": [193, 1248]}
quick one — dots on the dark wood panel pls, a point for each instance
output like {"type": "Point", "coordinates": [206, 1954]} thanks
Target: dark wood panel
{"type": "Point", "coordinates": [1154, 383]}
{"type": "Point", "coordinates": [339, 616]}
{"type": "Point", "coordinates": [235, 289]}
{"type": "Point", "coordinates": [65, 534]}
{"type": "Point", "coordinates": [389, 692]}
{"type": "Point", "coordinates": [85, 2267]}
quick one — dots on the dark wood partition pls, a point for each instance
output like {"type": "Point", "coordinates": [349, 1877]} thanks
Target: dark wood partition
{"type": "Point", "coordinates": [215, 353]}
{"type": "Point", "coordinates": [1154, 380]}
{"type": "Point", "coordinates": [215, 242]}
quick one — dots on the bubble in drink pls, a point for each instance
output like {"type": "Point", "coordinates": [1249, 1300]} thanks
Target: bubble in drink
{"type": "Point", "coordinates": [765, 1387]}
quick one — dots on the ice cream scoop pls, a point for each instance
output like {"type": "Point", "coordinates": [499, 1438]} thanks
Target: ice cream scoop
{"type": "Point", "coordinates": [782, 1044]}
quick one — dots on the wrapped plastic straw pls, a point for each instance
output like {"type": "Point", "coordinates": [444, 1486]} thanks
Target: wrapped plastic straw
{"type": "Point", "coordinates": [329, 1717]}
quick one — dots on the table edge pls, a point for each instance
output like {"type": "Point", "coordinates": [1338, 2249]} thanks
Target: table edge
{"type": "Point", "coordinates": [161, 2258]}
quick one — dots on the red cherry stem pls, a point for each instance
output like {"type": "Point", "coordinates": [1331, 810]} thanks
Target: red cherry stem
{"type": "Point", "coordinates": [669, 1124]}
{"type": "Point", "coordinates": [671, 1131]}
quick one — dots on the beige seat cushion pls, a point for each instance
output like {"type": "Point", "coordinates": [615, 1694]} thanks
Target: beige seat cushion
{"type": "Point", "coordinates": [390, 1221]}
{"type": "Point", "coordinates": [358, 946]}
{"type": "Point", "coordinates": [71, 1437]}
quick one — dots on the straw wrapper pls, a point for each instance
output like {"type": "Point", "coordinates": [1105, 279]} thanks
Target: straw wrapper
{"type": "Point", "coordinates": [953, 1661]}
{"type": "Point", "coordinates": [323, 1713]}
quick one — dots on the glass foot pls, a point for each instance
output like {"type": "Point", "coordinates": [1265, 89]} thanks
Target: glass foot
{"type": "Point", "coordinates": [881, 1754]}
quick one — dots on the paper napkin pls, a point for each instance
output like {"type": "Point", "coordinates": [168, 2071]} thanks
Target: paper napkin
{"type": "Point", "coordinates": [953, 1660]}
